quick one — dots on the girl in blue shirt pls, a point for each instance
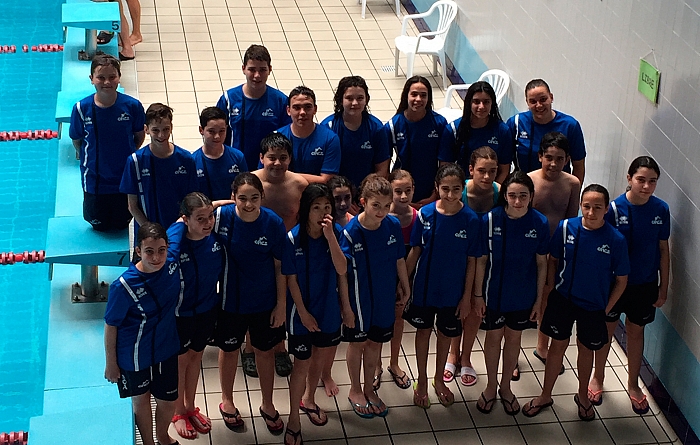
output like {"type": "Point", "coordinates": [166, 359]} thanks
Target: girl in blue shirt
{"type": "Point", "coordinates": [510, 279]}
{"type": "Point", "coordinates": [645, 222]}
{"type": "Point", "coordinates": [445, 244]}
{"type": "Point", "coordinates": [141, 339]}
{"type": "Point", "coordinates": [317, 292]}
{"type": "Point", "coordinates": [481, 125]}
{"type": "Point", "coordinates": [364, 142]}
{"type": "Point", "coordinates": [421, 137]}
{"type": "Point", "coordinates": [372, 244]}
{"type": "Point", "coordinates": [201, 260]}
{"type": "Point", "coordinates": [588, 266]}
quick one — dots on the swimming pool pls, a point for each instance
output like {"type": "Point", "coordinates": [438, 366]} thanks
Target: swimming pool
{"type": "Point", "coordinates": [29, 83]}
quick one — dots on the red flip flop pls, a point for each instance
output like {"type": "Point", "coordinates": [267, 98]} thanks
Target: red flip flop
{"type": "Point", "coordinates": [199, 421]}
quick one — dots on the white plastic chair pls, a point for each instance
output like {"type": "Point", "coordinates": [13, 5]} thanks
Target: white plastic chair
{"type": "Point", "coordinates": [420, 44]}
{"type": "Point", "coordinates": [364, 7]}
{"type": "Point", "coordinates": [499, 80]}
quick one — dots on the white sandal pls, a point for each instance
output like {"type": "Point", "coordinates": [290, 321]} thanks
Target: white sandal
{"type": "Point", "coordinates": [467, 371]}
{"type": "Point", "coordinates": [452, 369]}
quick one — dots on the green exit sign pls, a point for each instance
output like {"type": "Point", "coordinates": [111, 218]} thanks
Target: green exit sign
{"type": "Point", "coordinates": [648, 83]}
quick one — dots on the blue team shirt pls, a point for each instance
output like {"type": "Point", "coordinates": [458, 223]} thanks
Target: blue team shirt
{"type": "Point", "coordinates": [250, 120]}
{"type": "Point", "coordinates": [420, 146]}
{"type": "Point", "coordinates": [251, 247]}
{"type": "Point", "coordinates": [201, 263]}
{"type": "Point", "coordinates": [589, 260]}
{"type": "Point", "coordinates": [446, 242]}
{"type": "Point", "coordinates": [142, 307]}
{"type": "Point", "coordinates": [318, 153]}
{"type": "Point", "coordinates": [643, 227]}
{"type": "Point", "coordinates": [530, 134]}
{"type": "Point", "coordinates": [372, 257]}
{"type": "Point", "coordinates": [512, 246]}
{"type": "Point", "coordinates": [318, 283]}
{"type": "Point", "coordinates": [361, 149]}
{"type": "Point", "coordinates": [495, 135]}
{"type": "Point", "coordinates": [107, 136]}
{"type": "Point", "coordinates": [215, 176]}
{"type": "Point", "coordinates": [160, 184]}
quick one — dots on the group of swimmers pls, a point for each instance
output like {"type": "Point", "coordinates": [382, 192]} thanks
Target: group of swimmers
{"type": "Point", "coordinates": [321, 243]}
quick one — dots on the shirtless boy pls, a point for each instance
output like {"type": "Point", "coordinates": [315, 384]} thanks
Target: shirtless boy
{"type": "Point", "coordinates": [556, 196]}
{"type": "Point", "coordinates": [282, 187]}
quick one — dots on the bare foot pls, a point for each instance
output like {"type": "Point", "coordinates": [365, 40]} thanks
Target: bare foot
{"type": "Point", "coordinates": [135, 38]}
{"type": "Point", "coordinates": [595, 391]}
{"type": "Point", "coordinates": [330, 386]}
{"type": "Point", "coordinates": [184, 427]}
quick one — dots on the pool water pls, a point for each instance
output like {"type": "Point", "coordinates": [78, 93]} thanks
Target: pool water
{"type": "Point", "coordinates": [29, 83]}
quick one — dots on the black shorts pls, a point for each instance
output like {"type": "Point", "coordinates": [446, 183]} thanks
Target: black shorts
{"type": "Point", "coordinates": [425, 317]}
{"type": "Point", "coordinates": [300, 346]}
{"type": "Point", "coordinates": [374, 333]}
{"type": "Point", "coordinates": [559, 318]}
{"type": "Point", "coordinates": [515, 320]}
{"type": "Point", "coordinates": [195, 331]}
{"type": "Point", "coordinates": [160, 379]}
{"type": "Point", "coordinates": [637, 302]}
{"type": "Point", "coordinates": [106, 212]}
{"type": "Point", "coordinates": [231, 328]}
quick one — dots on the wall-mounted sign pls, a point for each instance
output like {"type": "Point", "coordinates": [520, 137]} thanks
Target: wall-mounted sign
{"type": "Point", "coordinates": [648, 83]}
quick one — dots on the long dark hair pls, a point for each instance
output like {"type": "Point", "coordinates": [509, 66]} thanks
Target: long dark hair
{"type": "Point", "coordinates": [465, 125]}
{"type": "Point", "coordinates": [403, 104]}
{"type": "Point", "coordinates": [311, 193]}
{"type": "Point", "coordinates": [343, 85]}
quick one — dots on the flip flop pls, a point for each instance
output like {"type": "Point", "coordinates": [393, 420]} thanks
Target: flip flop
{"type": "Point", "coordinates": [232, 421]}
{"type": "Point", "coordinates": [274, 429]}
{"type": "Point", "coordinates": [544, 361]}
{"type": "Point", "coordinates": [315, 411]}
{"type": "Point", "coordinates": [511, 408]}
{"type": "Point", "coordinates": [641, 402]}
{"type": "Point", "coordinates": [188, 426]}
{"type": "Point", "coordinates": [534, 410]}
{"type": "Point", "coordinates": [355, 406]}
{"type": "Point", "coordinates": [445, 398]}
{"type": "Point", "coordinates": [488, 404]}
{"type": "Point", "coordinates": [402, 381]}
{"type": "Point", "coordinates": [449, 373]}
{"type": "Point", "coordinates": [585, 417]}
{"type": "Point", "coordinates": [104, 37]}
{"type": "Point", "coordinates": [593, 397]}
{"type": "Point", "coordinates": [124, 58]}
{"type": "Point", "coordinates": [467, 371]}
{"type": "Point", "coordinates": [294, 435]}
{"type": "Point", "coordinates": [382, 413]}
{"type": "Point", "coordinates": [516, 373]}
{"type": "Point", "coordinates": [420, 401]}
{"type": "Point", "coordinates": [201, 423]}
{"type": "Point", "coordinates": [377, 382]}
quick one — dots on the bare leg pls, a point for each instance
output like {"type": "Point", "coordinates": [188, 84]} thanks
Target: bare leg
{"type": "Point", "coordinates": [164, 412]}
{"type": "Point", "coordinates": [266, 372]}
{"type": "Point", "coordinates": [396, 345]}
{"type": "Point", "coordinates": [228, 361]}
{"type": "Point", "coordinates": [542, 339]}
{"type": "Point", "coordinates": [601, 357]}
{"type": "Point", "coordinates": [135, 13]}
{"type": "Point", "coordinates": [511, 350]}
{"type": "Point", "coordinates": [297, 383]}
{"type": "Point", "coordinates": [329, 384]}
{"type": "Point", "coordinates": [492, 355]}
{"type": "Point", "coordinates": [127, 49]}
{"type": "Point", "coordinates": [353, 358]}
{"type": "Point", "coordinates": [635, 349]}
{"type": "Point", "coordinates": [471, 328]}
{"type": "Point", "coordinates": [551, 371]}
{"type": "Point", "coordinates": [144, 418]}
{"type": "Point", "coordinates": [443, 346]}
{"type": "Point", "coordinates": [320, 357]}
{"type": "Point", "coordinates": [585, 366]}
{"type": "Point", "coordinates": [422, 345]}
{"type": "Point", "coordinates": [454, 355]}
{"type": "Point", "coordinates": [191, 380]}
{"type": "Point", "coordinates": [183, 363]}
{"type": "Point", "coordinates": [371, 356]}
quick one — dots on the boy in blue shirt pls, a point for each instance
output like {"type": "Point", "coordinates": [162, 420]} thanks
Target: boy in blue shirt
{"type": "Point", "coordinates": [217, 164]}
{"type": "Point", "coordinates": [254, 108]}
{"type": "Point", "coordinates": [316, 148]}
{"type": "Point", "coordinates": [106, 128]}
{"type": "Point", "coordinates": [158, 176]}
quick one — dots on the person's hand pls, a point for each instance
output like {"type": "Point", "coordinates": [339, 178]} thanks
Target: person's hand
{"type": "Point", "coordinates": [112, 372]}
{"type": "Point", "coordinates": [278, 316]}
{"type": "Point", "coordinates": [463, 308]}
{"type": "Point", "coordinates": [663, 295]}
{"type": "Point", "coordinates": [327, 226]}
{"type": "Point", "coordinates": [402, 295]}
{"type": "Point", "coordinates": [354, 209]}
{"type": "Point", "coordinates": [480, 307]}
{"type": "Point", "coordinates": [348, 317]}
{"type": "Point", "coordinates": [309, 321]}
{"type": "Point", "coordinates": [536, 313]}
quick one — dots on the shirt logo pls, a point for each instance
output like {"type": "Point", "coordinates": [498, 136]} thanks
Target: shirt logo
{"type": "Point", "coordinates": [172, 268]}
{"type": "Point", "coordinates": [145, 172]}
{"type": "Point", "coordinates": [216, 247]}
{"type": "Point", "coordinates": [184, 258]}
{"type": "Point", "coordinates": [523, 134]}
{"type": "Point", "coordinates": [234, 169]}
{"type": "Point", "coordinates": [493, 140]}
{"type": "Point", "coordinates": [604, 248]}
{"type": "Point", "coordinates": [88, 120]}
{"type": "Point", "coordinates": [624, 220]}
{"type": "Point", "coordinates": [657, 220]}
{"type": "Point", "coordinates": [301, 348]}
{"type": "Point", "coordinates": [262, 241]}
{"type": "Point", "coordinates": [299, 251]}
{"type": "Point", "coordinates": [570, 239]}
{"type": "Point", "coordinates": [318, 151]}
{"type": "Point", "coordinates": [391, 241]}
{"type": "Point", "coordinates": [223, 230]}
{"type": "Point", "coordinates": [433, 134]}
{"type": "Point", "coordinates": [235, 112]}
{"type": "Point", "coordinates": [358, 247]}
{"type": "Point", "coordinates": [426, 225]}
{"type": "Point", "coordinates": [181, 170]}
{"type": "Point", "coordinates": [140, 292]}
{"type": "Point", "coordinates": [531, 234]}
{"type": "Point", "coordinates": [200, 173]}
{"type": "Point", "coordinates": [124, 117]}
{"type": "Point", "coordinates": [461, 234]}
{"type": "Point", "coordinates": [496, 231]}
{"type": "Point", "coordinates": [268, 113]}
{"type": "Point", "coordinates": [366, 146]}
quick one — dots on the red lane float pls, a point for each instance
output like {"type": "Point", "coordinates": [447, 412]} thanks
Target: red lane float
{"type": "Point", "coordinates": [14, 438]}
{"type": "Point", "coordinates": [26, 257]}
{"type": "Point", "coordinates": [31, 135]}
